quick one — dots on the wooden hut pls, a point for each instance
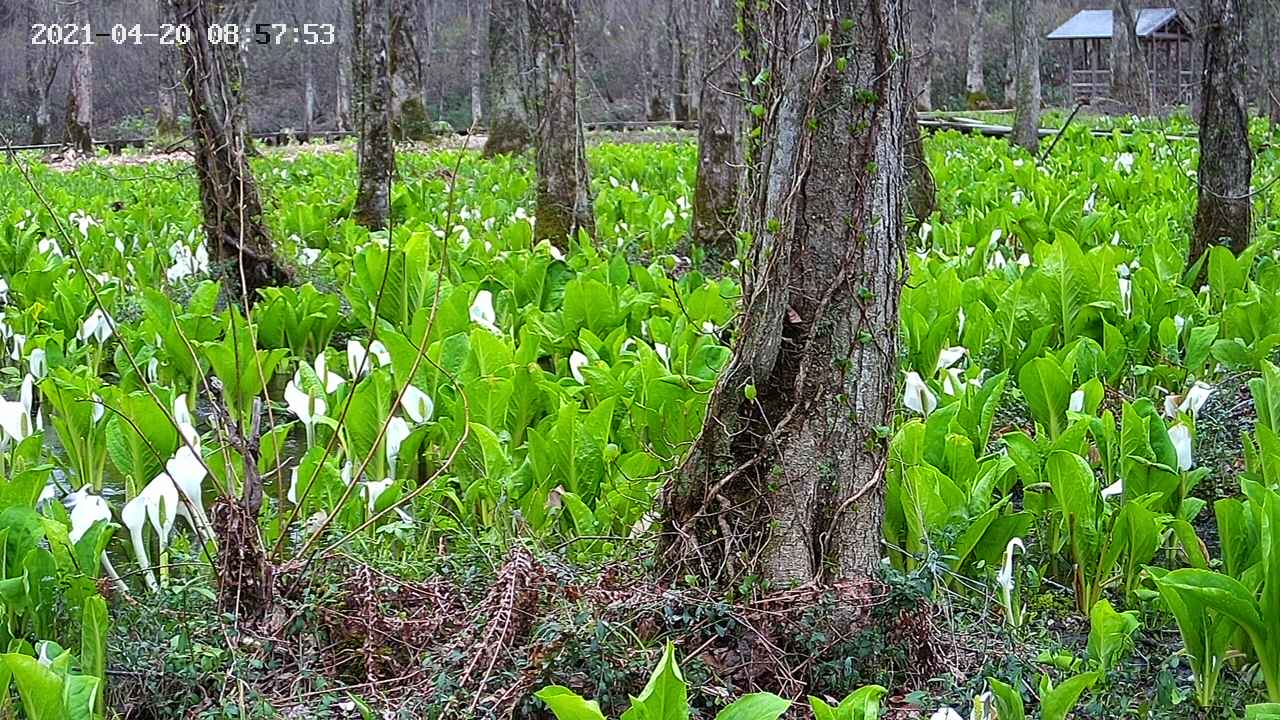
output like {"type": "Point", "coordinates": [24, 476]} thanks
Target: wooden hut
{"type": "Point", "coordinates": [1164, 34]}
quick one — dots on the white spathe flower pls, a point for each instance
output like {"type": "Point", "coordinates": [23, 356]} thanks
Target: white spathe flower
{"type": "Point", "coordinates": [482, 312]}
{"type": "Point", "coordinates": [49, 246]}
{"type": "Point", "coordinates": [4, 291]}
{"type": "Point", "coordinates": [577, 361]}
{"type": "Point", "coordinates": [356, 354]}
{"type": "Point", "coordinates": [380, 353]}
{"type": "Point", "coordinates": [86, 511]}
{"type": "Point", "coordinates": [97, 326]}
{"type": "Point", "coordinates": [157, 504]}
{"type": "Point", "coordinates": [1005, 576]}
{"type": "Point", "coordinates": [15, 420]}
{"type": "Point", "coordinates": [918, 397]}
{"type": "Point", "coordinates": [1016, 197]}
{"type": "Point", "coordinates": [1196, 397]}
{"type": "Point", "coordinates": [38, 363]}
{"type": "Point", "coordinates": [373, 490]}
{"type": "Point", "coordinates": [417, 405]}
{"type": "Point", "coordinates": [1124, 163]}
{"type": "Point", "coordinates": [960, 322]}
{"type": "Point", "coordinates": [1180, 436]}
{"type": "Point", "coordinates": [663, 352]}
{"type": "Point", "coordinates": [99, 407]}
{"type": "Point", "coordinates": [1126, 295]}
{"type": "Point", "coordinates": [945, 713]}
{"type": "Point", "coordinates": [1112, 490]}
{"type": "Point", "coordinates": [1076, 403]}
{"type": "Point", "coordinates": [996, 261]}
{"type": "Point", "coordinates": [397, 431]}
{"type": "Point", "coordinates": [19, 342]}
{"type": "Point", "coordinates": [950, 356]}
{"type": "Point", "coordinates": [186, 262]}
{"type": "Point", "coordinates": [307, 408]}
{"type": "Point", "coordinates": [1023, 261]}
{"type": "Point", "coordinates": [187, 471]}
{"type": "Point", "coordinates": [332, 381]}
{"type": "Point", "coordinates": [82, 220]}
{"type": "Point", "coordinates": [308, 256]}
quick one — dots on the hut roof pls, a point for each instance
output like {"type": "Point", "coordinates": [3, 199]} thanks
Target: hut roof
{"type": "Point", "coordinates": [1093, 24]}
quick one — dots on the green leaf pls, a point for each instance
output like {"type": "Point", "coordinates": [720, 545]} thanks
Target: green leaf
{"type": "Point", "coordinates": [756, 706]}
{"type": "Point", "coordinates": [565, 704]}
{"type": "Point", "coordinates": [1056, 703]}
{"type": "Point", "coordinates": [1048, 393]}
{"type": "Point", "coordinates": [665, 697]}
{"type": "Point", "coordinates": [1008, 701]}
{"type": "Point", "coordinates": [39, 688]}
{"type": "Point", "coordinates": [1110, 635]}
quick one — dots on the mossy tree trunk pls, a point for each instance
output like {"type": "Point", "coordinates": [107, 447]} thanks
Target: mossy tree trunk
{"type": "Point", "coordinates": [1271, 49]}
{"type": "Point", "coordinates": [564, 183]}
{"type": "Point", "coordinates": [42, 69]}
{"type": "Point", "coordinates": [408, 113]}
{"type": "Point", "coordinates": [229, 198]}
{"type": "Point", "coordinates": [921, 189]}
{"type": "Point", "coordinates": [510, 72]}
{"type": "Point", "coordinates": [375, 151]}
{"type": "Point", "coordinates": [1130, 84]}
{"type": "Point", "coordinates": [975, 83]}
{"type": "Point", "coordinates": [715, 199]}
{"type": "Point", "coordinates": [79, 131]}
{"type": "Point", "coordinates": [167, 80]}
{"type": "Point", "coordinates": [924, 58]}
{"type": "Point", "coordinates": [1026, 76]}
{"type": "Point", "coordinates": [1224, 203]}
{"type": "Point", "coordinates": [786, 481]}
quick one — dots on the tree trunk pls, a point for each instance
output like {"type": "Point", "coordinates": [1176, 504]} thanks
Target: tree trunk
{"type": "Point", "coordinates": [167, 95]}
{"type": "Point", "coordinates": [924, 98]}
{"type": "Point", "coordinates": [376, 155]}
{"type": "Point", "coordinates": [308, 99]}
{"type": "Point", "coordinates": [676, 79]}
{"type": "Point", "coordinates": [655, 102]}
{"type": "Point", "coordinates": [1026, 38]}
{"type": "Point", "coordinates": [975, 84]}
{"type": "Point", "coordinates": [228, 194]}
{"type": "Point", "coordinates": [408, 114]}
{"type": "Point", "coordinates": [1130, 84]}
{"type": "Point", "coordinates": [342, 86]}
{"type": "Point", "coordinates": [921, 190]}
{"type": "Point", "coordinates": [509, 74]}
{"type": "Point", "coordinates": [42, 69]}
{"type": "Point", "coordinates": [475, 22]}
{"type": "Point", "coordinates": [427, 17]}
{"type": "Point", "coordinates": [1271, 48]}
{"type": "Point", "coordinates": [715, 199]}
{"type": "Point", "coordinates": [564, 184]}
{"type": "Point", "coordinates": [79, 133]}
{"type": "Point", "coordinates": [786, 482]}
{"type": "Point", "coordinates": [1223, 210]}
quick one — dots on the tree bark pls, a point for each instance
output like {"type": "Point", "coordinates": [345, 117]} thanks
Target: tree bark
{"type": "Point", "coordinates": [408, 114]}
{"type": "Point", "coordinates": [1271, 48]}
{"type": "Point", "coordinates": [924, 98]}
{"type": "Point", "coordinates": [715, 199]}
{"type": "Point", "coordinates": [975, 84]}
{"type": "Point", "coordinates": [342, 84]}
{"type": "Point", "coordinates": [375, 152]}
{"type": "Point", "coordinates": [167, 93]}
{"type": "Point", "coordinates": [677, 81]}
{"type": "Point", "coordinates": [1223, 210]}
{"type": "Point", "coordinates": [921, 190]}
{"type": "Point", "coordinates": [228, 193]}
{"type": "Point", "coordinates": [509, 74]}
{"type": "Point", "coordinates": [475, 22]}
{"type": "Point", "coordinates": [564, 183]}
{"type": "Point", "coordinates": [1026, 38]}
{"type": "Point", "coordinates": [786, 481]}
{"type": "Point", "coordinates": [79, 133]}
{"type": "Point", "coordinates": [1130, 84]}
{"type": "Point", "coordinates": [42, 69]}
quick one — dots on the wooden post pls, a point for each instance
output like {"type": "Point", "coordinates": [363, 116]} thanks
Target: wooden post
{"type": "Point", "coordinates": [1071, 69]}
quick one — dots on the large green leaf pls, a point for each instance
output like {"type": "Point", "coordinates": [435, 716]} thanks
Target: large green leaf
{"type": "Point", "coordinates": [565, 704]}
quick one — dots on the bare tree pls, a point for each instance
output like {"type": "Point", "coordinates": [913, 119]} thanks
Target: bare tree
{"type": "Point", "coordinates": [42, 68]}
{"type": "Point", "coordinates": [476, 15]}
{"type": "Point", "coordinates": [1223, 209]}
{"type": "Point", "coordinates": [975, 84]}
{"type": "Point", "coordinates": [167, 92]}
{"type": "Point", "coordinates": [1026, 54]}
{"type": "Point", "coordinates": [408, 113]}
{"type": "Point", "coordinates": [79, 133]}
{"type": "Point", "coordinates": [715, 198]}
{"type": "Point", "coordinates": [342, 81]}
{"type": "Point", "coordinates": [228, 193]}
{"type": "Point", "coordinates": [924, 58]}
{"type": "Point", "coordinates": [371, 55]}
{"type": "Point", "coordinates": [1130, 84]}
{"type": "Point", "coordinates": [509, 72]}
{"type": "Point", "coordinates": [1270, 12]}
{"type": "Point", "coordinates": [564, 183]}
{"type": "Point", "coordinates": [786, 482]}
